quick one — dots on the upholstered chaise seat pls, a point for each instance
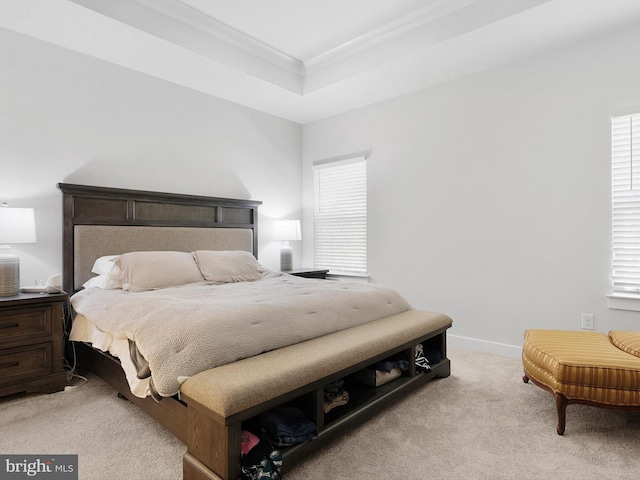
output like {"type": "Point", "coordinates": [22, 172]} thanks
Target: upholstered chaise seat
{"type": "Point", "coordinates": [584, 367]}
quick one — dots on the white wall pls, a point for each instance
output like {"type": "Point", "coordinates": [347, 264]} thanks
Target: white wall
{"type": "Point", "coordinates": [65, 117]}
{"type": "Point", "coordinates": [489, 197]}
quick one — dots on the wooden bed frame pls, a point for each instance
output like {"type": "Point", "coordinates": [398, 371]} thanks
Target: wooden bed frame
{"type": "Point", "coordinates": [88, 205]}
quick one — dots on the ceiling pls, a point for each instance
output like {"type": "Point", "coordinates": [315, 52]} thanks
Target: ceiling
{"type": "Point", "coordinates": [305, 60]}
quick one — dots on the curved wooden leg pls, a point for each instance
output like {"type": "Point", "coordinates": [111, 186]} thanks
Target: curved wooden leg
{"type": "Point", "coordinates": [561, 404]}
{"type": "Point", "coordinates": [525, 378]}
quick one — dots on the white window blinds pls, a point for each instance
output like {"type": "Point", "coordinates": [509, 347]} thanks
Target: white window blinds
{"type": "Point", "coordinates": [340, 216]}
{"type": "Point", "coordinates": [625, 141]}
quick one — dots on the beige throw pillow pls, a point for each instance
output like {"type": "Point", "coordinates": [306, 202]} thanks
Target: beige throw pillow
{"type": "Point", "coordinates": [143, 271]}
{"type": "Point", "coordinates": [228, 266]}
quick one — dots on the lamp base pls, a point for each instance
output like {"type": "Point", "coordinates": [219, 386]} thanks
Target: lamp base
{"type": "Point", "coordinates": [286, 258]}
{"type": "Point", "coordinates": [9, 275]}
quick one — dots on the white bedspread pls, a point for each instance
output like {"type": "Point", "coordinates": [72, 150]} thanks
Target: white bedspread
{"type": "Point", "coordinates": [185, 330]}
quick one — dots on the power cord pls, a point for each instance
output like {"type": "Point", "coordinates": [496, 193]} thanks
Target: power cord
{"type": "Point", "coordinates": [70, 368]}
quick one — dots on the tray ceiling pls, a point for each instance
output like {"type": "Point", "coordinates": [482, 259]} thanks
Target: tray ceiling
{"type": "Point", "coordinates": [305, 60]}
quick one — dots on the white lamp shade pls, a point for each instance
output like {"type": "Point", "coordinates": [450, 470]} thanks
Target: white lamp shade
{"type": "Point", "coordinates": [287, 230]}
{"type": "Point", "coordinates": [17, 225]}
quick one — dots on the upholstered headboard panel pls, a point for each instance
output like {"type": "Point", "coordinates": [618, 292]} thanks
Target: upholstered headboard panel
{"type": "Point", "coordinates": [109, 221]}
{"type": "Point", "coordinates": [94, 241]}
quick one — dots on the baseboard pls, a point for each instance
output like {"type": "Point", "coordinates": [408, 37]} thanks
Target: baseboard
{"type": "Point", "coordinates": [485, 346]}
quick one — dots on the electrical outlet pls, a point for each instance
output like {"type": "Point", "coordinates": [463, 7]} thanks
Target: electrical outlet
{"type": "Point", "coordinates": [587, 321]}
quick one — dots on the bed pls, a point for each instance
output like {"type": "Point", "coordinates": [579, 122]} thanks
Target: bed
{"type": "Point", "coordinates": [209, 406]}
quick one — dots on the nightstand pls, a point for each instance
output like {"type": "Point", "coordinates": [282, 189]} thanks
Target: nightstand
{"type": "Point", "coordinates": [309, 272]}
{"type": "Point", "coordinates": [31, 343]}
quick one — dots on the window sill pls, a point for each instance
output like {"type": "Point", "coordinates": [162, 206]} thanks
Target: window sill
{"type": "Point", "coordinates": [622, 301]}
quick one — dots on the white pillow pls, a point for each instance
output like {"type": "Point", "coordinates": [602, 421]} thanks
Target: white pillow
{"type": "Point", "coordinates": [151, 270]}
{"type": "Point", "coordinates": [109, 274]}
{"type": "Point", "coordinates": [100, 282]}
{"type": "Point", "coordinates": [227, 266]}
{"type": "Point", "coordinates": [105, 265]}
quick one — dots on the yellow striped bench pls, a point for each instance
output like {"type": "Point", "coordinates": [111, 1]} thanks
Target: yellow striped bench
{"type": "Point", "coordinates": [584, 367]}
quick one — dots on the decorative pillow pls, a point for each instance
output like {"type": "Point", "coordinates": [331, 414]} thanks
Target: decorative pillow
{"type": "Point", "coordinates": [228, 266]}
{"type": "Point", "coordinates": [109, 274]}
{"type": "Point", "coordinates": [143, 271]}
{"type": "Point", "coordinates": [626, 341]}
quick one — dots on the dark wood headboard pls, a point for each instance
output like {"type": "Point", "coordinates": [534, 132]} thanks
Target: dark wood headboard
{"type": "Point", "coordinates": [89, 205]}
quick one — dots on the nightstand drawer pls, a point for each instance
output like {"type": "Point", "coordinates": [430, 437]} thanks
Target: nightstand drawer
{"type": "Point", "coordinates": [21, 325]}
{"type": "Point", "coordinates": [32, 343]}
{"type": "Point", "coordinates": [25, 362]}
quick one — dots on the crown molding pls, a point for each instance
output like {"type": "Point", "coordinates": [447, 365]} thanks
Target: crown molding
{"type": "Point", "coordinates": [180, 23]}
{"type": "Point", "coordinates": [434, 10]}
{"type": "Point", "coordinates": [183, 12]}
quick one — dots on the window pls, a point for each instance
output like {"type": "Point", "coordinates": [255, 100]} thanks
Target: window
{"type": "Point", "coordinates": [340, 216]}
{"type": "Point", "coordinates": [625, 188]}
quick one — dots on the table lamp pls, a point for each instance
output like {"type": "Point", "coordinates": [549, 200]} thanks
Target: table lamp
{"type": "Point", "coordinates": [287, 230]}
{"type": "Point", "coordinates": [17, 225]}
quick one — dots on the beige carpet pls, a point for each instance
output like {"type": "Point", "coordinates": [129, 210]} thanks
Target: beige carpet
{"type": "Point", "coordinates": [112, 437]}
{"type": "Point", "coordinates": [482, 422]}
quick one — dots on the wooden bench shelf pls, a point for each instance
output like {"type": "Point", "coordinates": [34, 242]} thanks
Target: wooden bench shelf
{"type": "Point", "coordinates": [364, 401]}
{"type": "Point", "coordinates": [372, 402]}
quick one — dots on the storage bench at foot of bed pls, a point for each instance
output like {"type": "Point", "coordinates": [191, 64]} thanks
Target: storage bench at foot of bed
{"type": "Point", "coordinates": [221, 399]}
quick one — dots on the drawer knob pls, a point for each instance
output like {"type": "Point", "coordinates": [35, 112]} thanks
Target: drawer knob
{"type": "Point", "coordinates": [9, 325]}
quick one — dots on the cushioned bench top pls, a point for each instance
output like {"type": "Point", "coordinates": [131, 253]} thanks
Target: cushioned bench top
{"type": "Point", "coordinates": [581, 364]}
{"type": "Point", "coordinates": [238, 386]}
